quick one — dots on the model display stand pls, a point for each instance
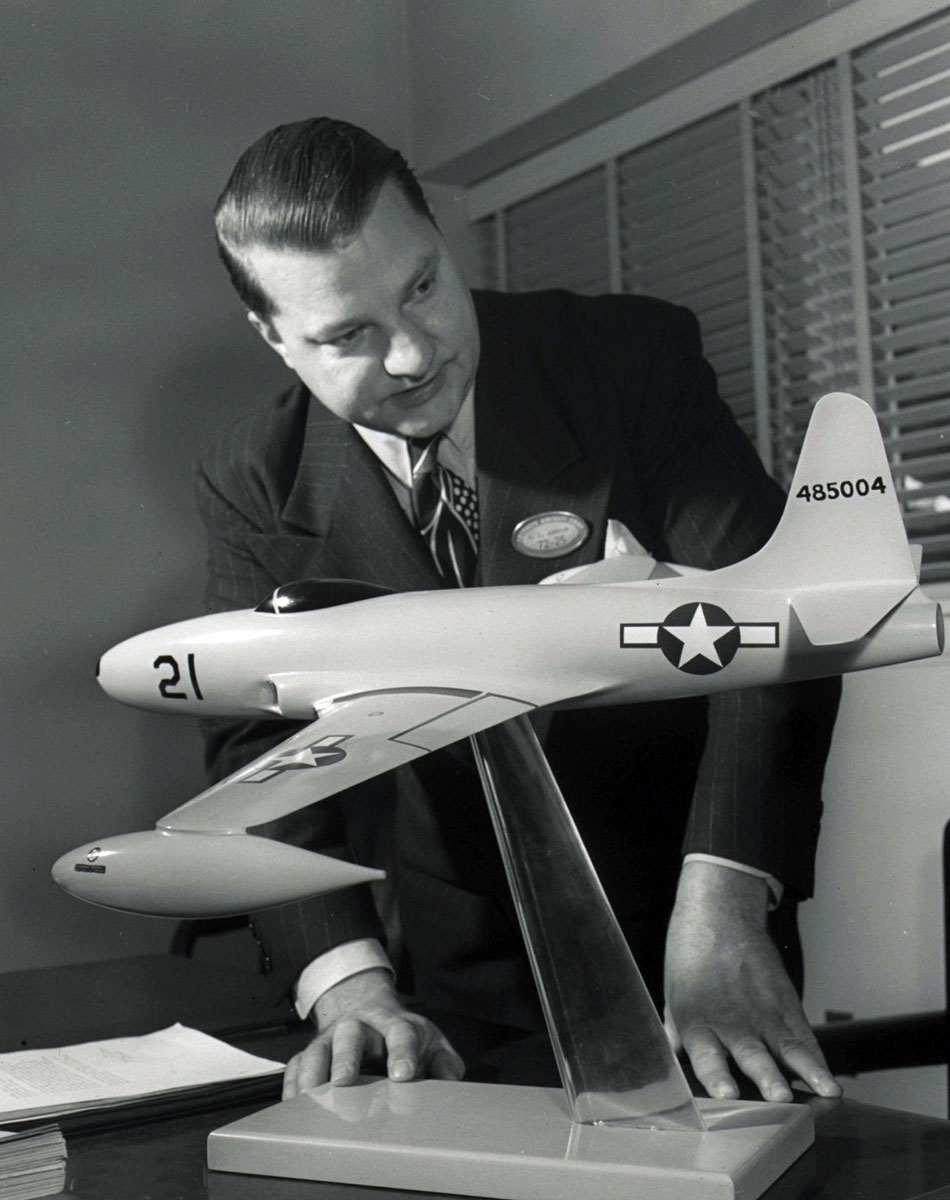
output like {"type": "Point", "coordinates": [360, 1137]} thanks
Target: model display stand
{"type": "Point", "coordinates": [519, 1143]}
{"type": "Point", "coordinates": [626, 1116]}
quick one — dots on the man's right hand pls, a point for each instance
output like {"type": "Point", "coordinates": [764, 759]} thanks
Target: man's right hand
{"type": "Point", "coordinates": [362, 1019]}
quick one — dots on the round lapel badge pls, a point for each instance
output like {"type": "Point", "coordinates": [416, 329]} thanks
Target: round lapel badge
{"type": "Point", "coordinates": [550, 534]}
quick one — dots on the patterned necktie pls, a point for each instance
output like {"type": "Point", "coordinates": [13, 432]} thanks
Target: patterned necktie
{"type": "Point", "coordinates": [445, 510]}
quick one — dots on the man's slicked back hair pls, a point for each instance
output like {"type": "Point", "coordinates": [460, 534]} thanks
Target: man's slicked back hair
{"type": "Point", "coordinates": [309, 185]}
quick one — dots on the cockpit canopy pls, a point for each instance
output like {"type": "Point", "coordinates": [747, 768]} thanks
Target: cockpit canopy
{"type": "Point", "coordinates": [307, 595]}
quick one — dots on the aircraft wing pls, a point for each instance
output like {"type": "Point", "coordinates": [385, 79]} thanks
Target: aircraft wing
{"type": "Point", "coordinates": [354, 738]}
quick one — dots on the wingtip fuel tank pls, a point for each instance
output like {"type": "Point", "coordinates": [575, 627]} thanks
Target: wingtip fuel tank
{"type": "Point", "coordinates": [184, 875]}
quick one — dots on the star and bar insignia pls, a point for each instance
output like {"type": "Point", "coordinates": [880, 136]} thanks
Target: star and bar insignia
{"type": "Point", "coordinates": [325, 752]}
{"type": "Point", "coordinates": [698, 638]}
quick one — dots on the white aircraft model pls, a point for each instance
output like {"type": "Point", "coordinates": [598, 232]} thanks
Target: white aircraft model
{"type": "Point", "coordinates": [383, 678]}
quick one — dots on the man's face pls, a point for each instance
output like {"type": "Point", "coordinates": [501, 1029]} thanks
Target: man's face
{"type": "Point", "coordinates": [382, 330]}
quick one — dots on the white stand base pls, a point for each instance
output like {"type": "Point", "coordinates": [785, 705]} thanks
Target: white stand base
{"type": "Point", "coordinates": [518, 1143]}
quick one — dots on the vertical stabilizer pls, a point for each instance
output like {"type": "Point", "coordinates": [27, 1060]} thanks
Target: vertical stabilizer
{"type": "Point", "coordinates": [840, 548]}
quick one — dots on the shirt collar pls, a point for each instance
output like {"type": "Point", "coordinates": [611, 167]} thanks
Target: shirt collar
{"type": "Point", "coordinates": [457, 450]}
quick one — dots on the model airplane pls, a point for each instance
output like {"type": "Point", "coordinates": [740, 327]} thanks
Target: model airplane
{"type": "Point", "coordinates": [383, 678]}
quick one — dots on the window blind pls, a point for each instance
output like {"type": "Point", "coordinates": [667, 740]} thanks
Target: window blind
{"type": "Point", "coordinates": [807, 294]}
{"type": "Point", "coordinates": [559, 238]}
{"type": "Point", "coordinates": [809, 229]}
{"type": "Point", "coordinates": [902, 105]}
{"type": "Point", "coordinates": [683, 238]}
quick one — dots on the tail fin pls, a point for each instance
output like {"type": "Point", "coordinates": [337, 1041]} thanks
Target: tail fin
{"type": "Point", "coordinates": [840, 546]}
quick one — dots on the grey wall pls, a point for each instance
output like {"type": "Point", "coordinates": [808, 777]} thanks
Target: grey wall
{"type": "Point", "coordinates": [481, 69]}
{"type": "Point", "coordinates": [123, 350]}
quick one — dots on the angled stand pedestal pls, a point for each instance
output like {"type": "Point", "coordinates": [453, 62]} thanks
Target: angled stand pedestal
{"type": "Point", "coordinates": [625, 1120]}
{"type": "Point", "coordinates": [518, 1143]}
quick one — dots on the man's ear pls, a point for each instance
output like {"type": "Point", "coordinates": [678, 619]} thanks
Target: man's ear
{"type": "Point", "coordinates": [270, 335]}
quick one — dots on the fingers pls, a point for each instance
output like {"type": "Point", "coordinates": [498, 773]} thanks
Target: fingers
{"type": "Point", "coordinates": [402, 1050]}
{"type": "Point", "coordinates": [416, 1048]}
{"type": "Point", "coordinates": [753, 1058]}
{"type": "Point", "coordinates": [348, 1043]}
{"type": "Point", "coordinates": [444, 1063]}
{"type": "Point", "coordinates": [796, 1047]}
{"type": "Point", "coordinates": [308, 1069]}
{"type": "Point", "coordinates": [708, 1059]}
{"type": "Point", "coordinates": [335, 1056]}
{"type": "Point", "coordinates": [808, 1063]}
{"type": "Point", "coordinates": [759, 1060]}
{"type": "Point", "coordinates": [411, 1046]}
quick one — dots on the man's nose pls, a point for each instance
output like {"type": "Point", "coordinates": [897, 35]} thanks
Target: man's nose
{"type": "Point", "coordinates": [409, 353]}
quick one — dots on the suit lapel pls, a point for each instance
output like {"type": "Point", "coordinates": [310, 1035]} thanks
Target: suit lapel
{"type": "Point", "coordinates": [529, 463]}
{"type": "Point", "coordinates": [341, 497]}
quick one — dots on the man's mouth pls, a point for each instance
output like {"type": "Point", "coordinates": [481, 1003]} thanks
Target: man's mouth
{"type": "Point", "coordinates": [422, 393]}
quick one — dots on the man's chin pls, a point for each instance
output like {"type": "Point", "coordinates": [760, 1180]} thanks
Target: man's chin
{"type": "Point", "coordinates": [427, 420]}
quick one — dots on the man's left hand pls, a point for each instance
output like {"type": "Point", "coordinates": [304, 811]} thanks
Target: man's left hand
{"type": "Point", "coordinates": [727, 992]}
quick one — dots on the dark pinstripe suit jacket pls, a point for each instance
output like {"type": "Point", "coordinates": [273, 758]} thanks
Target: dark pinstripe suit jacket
{"type": "Point", "coordinates": [604, 407]}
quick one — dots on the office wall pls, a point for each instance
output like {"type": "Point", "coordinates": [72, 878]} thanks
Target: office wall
{"type": "Point", "coordinates": [123, 350]}
{"type": "Point", "coordinates": [480, 70]}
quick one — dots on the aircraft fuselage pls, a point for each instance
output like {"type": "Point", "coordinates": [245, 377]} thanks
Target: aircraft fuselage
{"type": "Point", "coordinates": [597, 644]}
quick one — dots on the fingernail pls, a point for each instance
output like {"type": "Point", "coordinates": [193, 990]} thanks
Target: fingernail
{"type": "Point", "coordinates": [726, 1091]}
{"type": "Point", "coordinates": [401, 1069]}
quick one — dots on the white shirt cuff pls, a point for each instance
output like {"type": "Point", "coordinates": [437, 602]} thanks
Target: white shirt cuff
{"type": "Point", "coordinates": [349, 958]}
{"type": "Point", "coordinates": [776, 888]}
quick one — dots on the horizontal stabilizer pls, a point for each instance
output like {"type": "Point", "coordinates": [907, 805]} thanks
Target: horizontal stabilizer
{"type": "Point", "coordinates": [829, 619]}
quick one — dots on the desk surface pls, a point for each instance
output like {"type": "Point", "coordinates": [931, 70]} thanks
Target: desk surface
{"type": "Point", "coordinates": [861, 1152]}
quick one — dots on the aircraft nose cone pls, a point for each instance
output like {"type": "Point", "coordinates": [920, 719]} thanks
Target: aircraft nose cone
{"type": "Point", "coordinates": [124, 672]}
{"type": "Point", "coordinates": [58, 870]}
{"type": "Point", "coordinates": [69, 869]}
{"type": "Point", "coordinates": [105, 672]}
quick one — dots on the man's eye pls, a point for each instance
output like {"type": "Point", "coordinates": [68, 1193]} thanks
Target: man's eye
{"type": "Point", "coordinates": [347, 338]}
{"type": "Point", "coordinates": [425, 285]}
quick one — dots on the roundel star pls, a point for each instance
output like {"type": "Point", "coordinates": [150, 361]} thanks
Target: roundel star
{"type": "Point", "coordinates": [699, 638]}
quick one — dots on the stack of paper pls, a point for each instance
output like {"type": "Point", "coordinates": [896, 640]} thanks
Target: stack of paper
{"type": "Point", "coordinates": [32, 1163]}
{"type": "Point", "coordinates": [121, 1072]}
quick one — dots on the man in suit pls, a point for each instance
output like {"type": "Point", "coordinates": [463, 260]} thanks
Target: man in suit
{"type": "Point", "coordinates": [602, 408]}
